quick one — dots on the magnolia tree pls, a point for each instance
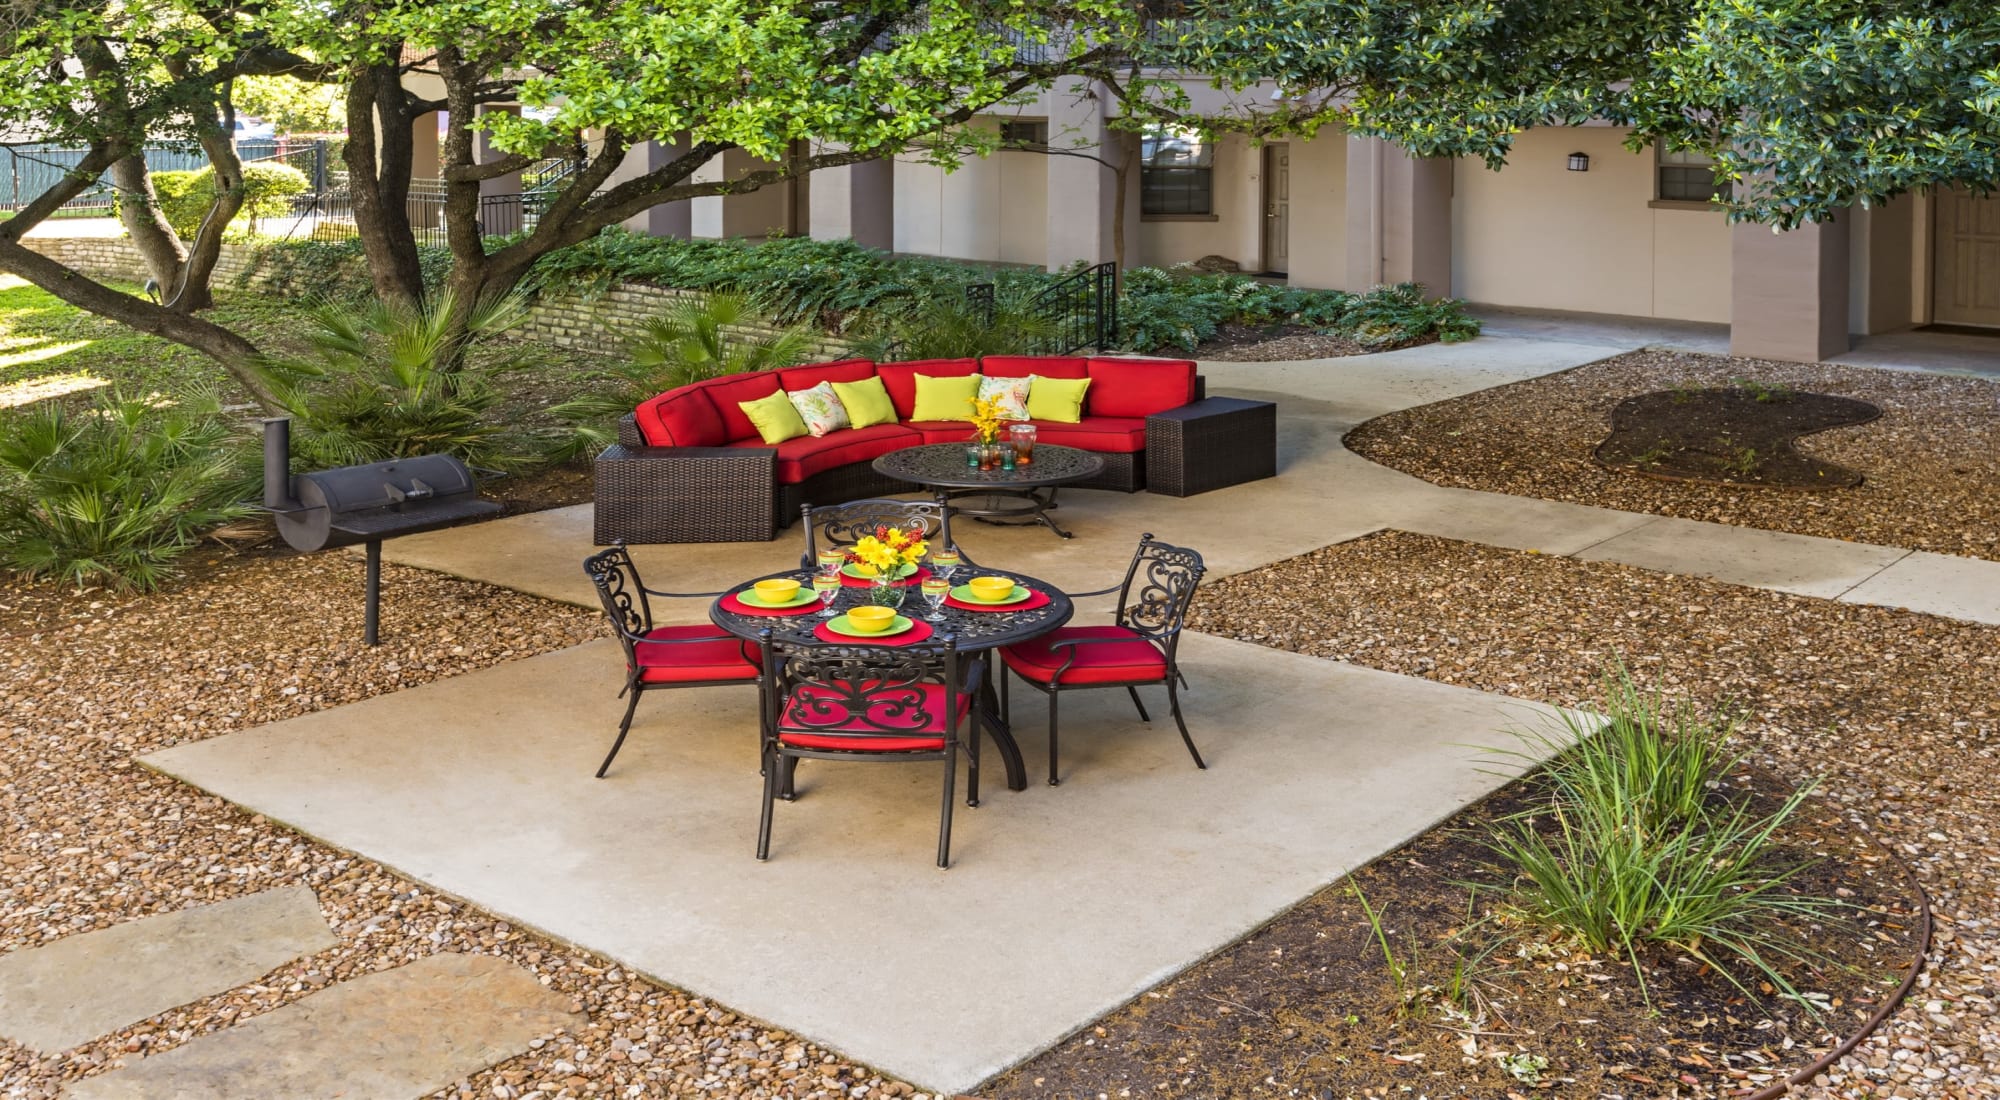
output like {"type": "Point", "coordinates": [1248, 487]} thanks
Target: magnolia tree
{"type": "Point", "coordinates": [1810, 105]}
{"type": "Point", "coordinates": [801, 84]}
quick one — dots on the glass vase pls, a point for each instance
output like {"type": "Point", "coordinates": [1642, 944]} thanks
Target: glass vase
{"type": "Point", "coordinates": [883, 592]}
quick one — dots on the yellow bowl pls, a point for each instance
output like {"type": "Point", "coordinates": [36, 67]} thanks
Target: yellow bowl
{"type": "Point", "coordinates": [871, 619]}
{"type": "Point", "coordinates": [777, 590]}
{"type": "Point", "coordinates": [991, 589]}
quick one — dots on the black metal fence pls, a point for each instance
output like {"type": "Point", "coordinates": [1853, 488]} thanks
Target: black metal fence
{"type": "Point", "coordinates": [1082, 310]}
{"type": "Point", "coordinates": [28, 171]}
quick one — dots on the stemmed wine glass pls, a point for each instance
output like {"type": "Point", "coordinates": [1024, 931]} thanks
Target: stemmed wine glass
{"type": "Point", "coordinates": [826, 586]}
{"type": "Point", "coordinates": [944, 561]}
{"type": "Point", "coordinates": [935, 589]}
{"type": "Point", "coordinates": [830, 562]}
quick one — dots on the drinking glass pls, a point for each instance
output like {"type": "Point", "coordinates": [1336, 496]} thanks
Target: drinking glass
{"type": "Point", "coordinates": [935, 590]}
{"type": "Point", "coordinates": [1023, 438]}
{"type": "Point", "coordinates": [830, 561]}
{"type": "Point", "coordinates": [826, 586]}
{"type": "Point", "coordinates": [944, 561]}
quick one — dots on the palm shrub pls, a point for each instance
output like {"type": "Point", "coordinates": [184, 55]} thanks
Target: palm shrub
{"type": "Point", "coordinates": [115, 494]}
{"type": "Point", "coordinates": [1630, 849]}
{"type": "Point", "coordinates": [698, 337]}
{"type": "Point", "coordinates": [388, 380]}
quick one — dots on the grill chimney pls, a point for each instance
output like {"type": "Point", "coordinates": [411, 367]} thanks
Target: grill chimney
{"type": "Point", "coordinates": [278, 464]}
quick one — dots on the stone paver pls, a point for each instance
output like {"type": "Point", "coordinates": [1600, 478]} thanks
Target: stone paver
{"type": "Point", "coordinates": [392, 1035]}
{"type": "Point", "coordinates": [71, 991]}
{"type": "Point", "coordinates": [1777, 560]}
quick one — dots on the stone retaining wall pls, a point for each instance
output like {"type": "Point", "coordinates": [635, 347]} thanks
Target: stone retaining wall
{"type": "Point", "coordinates": [565, 320]}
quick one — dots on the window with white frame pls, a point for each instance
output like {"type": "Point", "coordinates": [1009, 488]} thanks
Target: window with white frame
{"type": "Point", "coordinates": [1688, 176]}
{"type": "Point", "coordinates": [1176, 172]}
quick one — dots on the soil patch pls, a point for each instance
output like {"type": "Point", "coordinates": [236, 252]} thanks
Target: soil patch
{"type": "Point", "coordinates": [555, 487]}
{"type": "Point", "coordinates": [1742, 435]}
{"type": "Point", "coordinates": [1931, 461]}
{"type": "Point", "coordinates": [1240, 343]}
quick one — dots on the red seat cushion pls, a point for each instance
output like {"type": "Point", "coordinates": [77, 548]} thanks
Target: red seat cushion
{"type": "Point", "coordinates": [1110, 435]}
{"type": "Point", "coordinates": [1098, 663]}
{"type": "Point", "coordinates": [892, 713]}
{"type": "Point", "coordinates": [900, 379]}
{"type": "Point", "coordinates": [728, 392]}
{"type": "Point", "coordinates": [845, 370]}
{"type": "Point", "coordinates": [715, 656]}
{"type": "Point", "coordinates": [681, 418]}
{"type": "Point", "coordinates": [1138, 387]}
{"type": "Point", "coordinates": [1021, 366]}
{"type": "Point", "coordinates": [801, 458]}
{"type": "Point", "coordinates": [942, 431]}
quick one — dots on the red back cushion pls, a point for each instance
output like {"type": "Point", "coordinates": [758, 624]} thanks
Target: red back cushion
{"type": "Point", "coordinates": [900, 379]}
{"type": "Point", "coordinates": [1138, 387]}
{"type": "Point", "coordinates": [1021, 366]}
{"type": "Point", "coordinates": [727, 391]}
{"type": "Point", "coordinates": [681, 418]}
{"type": "Point", "coordinates": [845, 370]}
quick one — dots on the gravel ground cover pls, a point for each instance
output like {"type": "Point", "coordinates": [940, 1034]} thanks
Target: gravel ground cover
{"type": "Point", "coordinates": [1931, 462]}
{"type": "Point", "coordinates": [1896, 710]}
{"type": "Point", "coordinates": [92, 839]}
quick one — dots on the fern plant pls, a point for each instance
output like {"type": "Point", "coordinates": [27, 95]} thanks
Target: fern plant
{"type": "Point", "coordinates": [949, 326]}
{"type": "Point", "coordinates": [391, 381]}
{"type": "Point", "coordinates": [699, 337]}
{"type": "Point", "coordinates": [116, 494]}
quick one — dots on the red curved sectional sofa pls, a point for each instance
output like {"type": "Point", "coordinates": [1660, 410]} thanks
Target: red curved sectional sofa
{"type": "Point", "coordinates": [690, 467]}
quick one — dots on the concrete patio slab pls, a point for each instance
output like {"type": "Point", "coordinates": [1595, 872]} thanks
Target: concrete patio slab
{"type": "Point", "coordinates": [71, 991]}
{"type": "Point", "coordinates": [1518, 523]}
{"type": "Point", "coordinates": [392, 1035]}
{"type": "Point", "coordinates": [1061, 903]}
{"type": "Point", "coordinates": [1936, 584]}
{"type": "Point", "coordinates": [1777, 560]}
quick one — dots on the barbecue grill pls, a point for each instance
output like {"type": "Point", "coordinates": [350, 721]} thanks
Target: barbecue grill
{"type": "Point", "coordinates": [365, 504]}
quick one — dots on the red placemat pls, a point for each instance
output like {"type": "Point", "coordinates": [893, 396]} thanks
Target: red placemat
{"type": "Point", "coordinates": [863, 582]}
{"type": "Point", "coordinates": [1035, 599]}
{"type": "Point", "coordinates": [919, 630]}
{"type": "Point", "coordinates": [731, 603]}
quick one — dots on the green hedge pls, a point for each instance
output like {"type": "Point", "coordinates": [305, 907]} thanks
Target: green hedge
{"type": "Point", "coordinates": [186, 197]}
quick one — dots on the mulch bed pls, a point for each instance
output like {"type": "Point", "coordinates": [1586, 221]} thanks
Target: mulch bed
{"type": "Point", "coordinates": [1734, 436]}
{"type": "Point", "coordinates": [1307, 1006]}
{"type": "Point", "coordinates": [1930, 463]}
{"type": "Point", "coordinates": [1238, 343]}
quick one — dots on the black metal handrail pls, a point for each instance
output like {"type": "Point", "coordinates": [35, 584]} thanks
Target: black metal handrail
{"type": "Point", "coordinates": [1081, 309]}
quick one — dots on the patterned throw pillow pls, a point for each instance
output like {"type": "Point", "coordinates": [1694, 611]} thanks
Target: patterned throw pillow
{"type": "Point", "coordinates": [1012, 393]}
{"type": "Point", "coordinates": [820, 408]}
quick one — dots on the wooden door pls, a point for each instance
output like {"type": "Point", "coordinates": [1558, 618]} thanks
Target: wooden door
{"type": "Point", "coordinates": [1277, 208]}
{"type": "Point", "coordinates": [1965, 282]}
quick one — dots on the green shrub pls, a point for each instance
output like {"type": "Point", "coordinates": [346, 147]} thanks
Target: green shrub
{"type": "Point", "coordinates": [951, 327]}
{"type": "Point", "coordinates": [116, 494]}
{"type": "Point", "coordinates": [698, 337]}
{"type": "Point", "coordinates": [1392, 316]}
{"type": "Point", "coordinates": [1181, 308]}
{"type": "Point", "coordinates": [1630, 848]}
{"type": "Point", "coordinates": [186, 197]}
{"type": "Point", "coordinates": [387, 381]}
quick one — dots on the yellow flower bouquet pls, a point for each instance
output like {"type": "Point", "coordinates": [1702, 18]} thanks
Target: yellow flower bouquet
{"type": "Point", "coordinates": [987, 419]}
{"type": "Point", "coordinates": [891, 552]}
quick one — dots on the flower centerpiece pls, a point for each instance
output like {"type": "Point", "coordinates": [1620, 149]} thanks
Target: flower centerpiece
{"type": "Point", "coordinates": [886, 556]}
{"type": "Point", "coordinates": [988, 420]}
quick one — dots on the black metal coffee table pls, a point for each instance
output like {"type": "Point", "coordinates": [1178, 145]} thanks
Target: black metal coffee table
{"type": "Point", "coordinates": [1024, 494]}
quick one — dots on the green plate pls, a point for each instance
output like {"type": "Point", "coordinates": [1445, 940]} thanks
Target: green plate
{"type": "Point", "coordinates": [854, 571]}
{"type": "Point", "coordinates": [838, 624]}
{"type": "Point", "coordinates": [800, 598]}
{"type": "Point", "coordinates": [963, 593]}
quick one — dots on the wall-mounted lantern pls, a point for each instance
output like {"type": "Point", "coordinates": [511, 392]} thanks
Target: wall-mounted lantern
{"type": "Point", "coordinates": [1579, 162]}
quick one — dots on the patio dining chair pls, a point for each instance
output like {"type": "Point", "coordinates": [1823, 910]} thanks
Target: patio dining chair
{"type": "Point", "coordinates": [840, 526]}
{"type": "Point", "coordinates": [694, 655]}
{"type": "Point", "coordinates": [872, 704]}
{"type": "Point", "coordinates": [1140, 646]}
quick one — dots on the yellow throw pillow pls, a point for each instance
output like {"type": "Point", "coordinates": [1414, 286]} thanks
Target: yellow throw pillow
{"type": "Point", "coordinates": [945, 398]}
{"type": "Point", "coordinates": [867, 402]}
{"type": "Point", "coordinates": [774, 417]}
{"type": "Point", "coordinates": [1056, 399]}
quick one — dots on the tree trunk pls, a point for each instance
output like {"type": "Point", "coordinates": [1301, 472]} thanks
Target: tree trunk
{"type": "Point", "coordinates": [378, 169]}
{"type": "Point", "coordinates": [158, 245]}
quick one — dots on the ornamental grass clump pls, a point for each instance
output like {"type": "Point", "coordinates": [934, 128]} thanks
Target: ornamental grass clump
{"type": "Point", "coordinates": [1633, 848]}
{"type": "Point", "coordinates": [115, 494]}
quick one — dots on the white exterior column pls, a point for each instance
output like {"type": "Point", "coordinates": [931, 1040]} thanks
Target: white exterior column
{"type": "Point", "coordinates": [1789, 291]}
{"type": "Point", "coordinates": [484, 152]}
{"type": "Point", "coordinates": [1082, 193]}
{"type": "Point", "coordinates": [1398, 217]}
{"type": "Point", "coordinates": [856, 202]}
{"type": "Point", "coordinates": [667, 219]}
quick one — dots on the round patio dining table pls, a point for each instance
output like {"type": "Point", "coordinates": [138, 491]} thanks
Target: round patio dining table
{"type": "Point", "coordinates": [976, 631]}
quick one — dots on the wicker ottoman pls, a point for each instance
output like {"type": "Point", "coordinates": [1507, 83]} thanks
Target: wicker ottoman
{"type": "Point", "coordinates": [1213, 443]}
{"type": "Point", "coordinates": [685, 494]}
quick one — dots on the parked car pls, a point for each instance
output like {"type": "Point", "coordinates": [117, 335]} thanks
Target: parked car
{"type": "Point", "coordinates": [254, 129]}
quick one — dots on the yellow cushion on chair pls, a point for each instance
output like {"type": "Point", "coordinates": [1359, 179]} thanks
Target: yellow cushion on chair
{"type": "Point", "coordinates": [945, 398]}
{"type": "Point", "coordinates": [775, 417]}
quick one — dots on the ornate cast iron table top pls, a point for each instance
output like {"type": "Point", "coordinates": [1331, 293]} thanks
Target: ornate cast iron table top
{"type": "Point", "coordinates": [974, 630]}
{"type": "Point", "coordinates": [943, 465]}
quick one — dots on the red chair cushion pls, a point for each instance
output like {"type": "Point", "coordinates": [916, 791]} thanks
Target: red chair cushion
{"type": "Point", "coordinates": [1138, 387]}
{"type": "Point", "coordinates": [715, 656]}
{"type": "Point", "coordinates": [1098, 663]}
{"type": "Point", "coordinates": [1110, 435]}
{"type": "Point", "coordinates": [681, 418]}
{"type": "Point", "coordinates": [900, 379]}
{"type": "Point", "coordinates": [728, 392]}
{"type": "Point", "coordinates": [888, 715]}
{"type": "Point", "coordinates": [845, 370]}
{"type": "Point", "coordinates": [1048, 366]}
{"type": "Point", "coordinates": [942, 431]}
{"type": "Point", "coordinates": [801, 458]}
